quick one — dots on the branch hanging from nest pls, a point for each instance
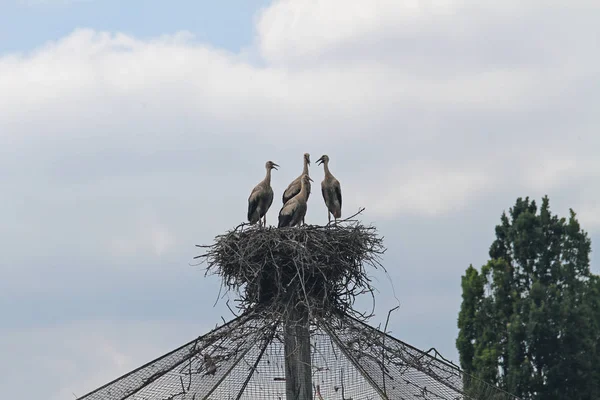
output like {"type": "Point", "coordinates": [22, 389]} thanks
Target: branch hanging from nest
{"type": "Point", "coordinates": [319, 267]}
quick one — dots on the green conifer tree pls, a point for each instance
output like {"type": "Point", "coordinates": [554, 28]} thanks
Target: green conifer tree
{"type": "Point", "coordinates": [530, 319]}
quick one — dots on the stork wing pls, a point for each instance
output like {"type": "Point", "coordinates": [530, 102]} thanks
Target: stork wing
{"type": "Point", "coordinates": [285, 215]}
{"type": "Point", "coordinates": [338, 193]}
{"type": "Point", "coordinates": [253, 204]}
{"type": "Point", "coordinates": [256, 189]}
{"type": "Point", "coordinates": [269, 199]}
{"type": "Point", "coordinates": [292, 190]}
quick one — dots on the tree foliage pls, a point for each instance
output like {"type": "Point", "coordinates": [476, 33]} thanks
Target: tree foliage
{"type": "Point", "coordinates": [530, 318]}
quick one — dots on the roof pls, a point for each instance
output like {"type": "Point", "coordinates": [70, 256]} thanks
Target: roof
{"type": "Point", "coordinates": [350, 360]}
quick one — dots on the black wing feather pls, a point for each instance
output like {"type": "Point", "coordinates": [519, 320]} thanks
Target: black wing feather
{"type": "Point", "coordinates": [284, 220]}
{"type": "Point", "coordinates": [338, 194]}
{"type": "Point", "coordinates": [252, 206]}
{"type": "Point", "coordinates": [269, 202]}
{"type": "Point", "coordinates": [291, 196]}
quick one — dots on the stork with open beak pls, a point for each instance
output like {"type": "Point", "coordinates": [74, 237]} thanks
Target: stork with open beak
{"type": "Point", "coordinates": [261, 198]}
{"type": "Point", "coordinates": [293, 212]}
{"type": "Point", "coordinates": [331, 190]}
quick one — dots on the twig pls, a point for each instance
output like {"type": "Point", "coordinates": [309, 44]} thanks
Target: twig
{"type": "Point", "coordinates": [323, 268]}
{"type": "Point", "coordinates": [383, 348]}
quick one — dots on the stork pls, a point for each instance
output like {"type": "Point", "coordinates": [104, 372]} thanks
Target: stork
{"type": "Point", "coordinates": [261, 198]}
{"type": "Point", "coordinates": [293, 212]}
{"type": "Point", "coordinates": [294, 187]}
{"type": "Point", "coordinates": [331, 190]}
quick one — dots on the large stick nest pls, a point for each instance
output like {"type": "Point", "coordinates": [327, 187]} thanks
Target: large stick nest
{"type": "Point", "coordinates": [319, 267]}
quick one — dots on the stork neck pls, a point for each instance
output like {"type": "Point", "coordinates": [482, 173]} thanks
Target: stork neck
{"type": "Point", "coordinates": [303, 189]}
{"type": "Point", "coordinates": [326, 167]}
{"type": "Point", "coordinates": [305, 170]}
{"type": "Point", "coordinates": [268, 177]}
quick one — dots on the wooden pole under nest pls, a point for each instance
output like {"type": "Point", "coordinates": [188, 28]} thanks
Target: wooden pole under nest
{"type": "Point", "coordinates": [298, 365]}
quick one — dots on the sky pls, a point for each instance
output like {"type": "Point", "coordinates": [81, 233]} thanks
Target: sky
{"type": "Point", "coordinates": [132, 131]}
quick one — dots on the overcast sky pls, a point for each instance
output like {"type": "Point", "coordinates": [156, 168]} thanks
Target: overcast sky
{"type": "Point", "coordinates": [131, 131]}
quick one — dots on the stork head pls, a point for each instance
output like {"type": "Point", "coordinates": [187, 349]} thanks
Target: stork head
{"type": "Point", "coordinates": [307, 158]}
{"type": "Point", "coordinates": [324, 159]}
{"type": "Point", "coordinates": [271, 165]}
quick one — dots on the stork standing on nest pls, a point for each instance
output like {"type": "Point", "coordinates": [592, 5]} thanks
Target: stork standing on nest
{"type": "Point", "coordinates": [294, 187]}
{"type": "Point", "coordinates": [331, 190]}
{"type": "Point", "coordinates": [261, 198]}
{"type": "Point", "coordinates": [293, 212]}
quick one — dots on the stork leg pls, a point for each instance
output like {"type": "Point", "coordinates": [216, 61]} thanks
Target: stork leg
{"type": "Point", "coordinates": [329, 216]}
{"type": "Point", "coordinates": [265, 220]}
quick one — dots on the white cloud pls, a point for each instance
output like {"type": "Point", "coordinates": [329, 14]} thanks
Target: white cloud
{"type": "Point", "coordinates": [300, 29]}
{"type": "Point", "coordinates": [293, 31]}
{"type": "Point", "coordinates": [589, 214]}
{"type": "Point", "coordinates": [148, 235]}
{"type": "Point", "coordinates": [551, 170]}
{"type": "Point", "coordinates": [422, 188]}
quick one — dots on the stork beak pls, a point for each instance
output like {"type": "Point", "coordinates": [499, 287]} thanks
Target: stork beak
{"type": "Point", "coordinates": [310, 179]}
{"type": "Point", "coordinates": [275, 166]}
{"type": "Point", "coordinates": [320, 161]}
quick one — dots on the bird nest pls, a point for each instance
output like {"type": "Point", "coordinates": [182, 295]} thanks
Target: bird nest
{"type": "Point", "coordinates": [319, 267]}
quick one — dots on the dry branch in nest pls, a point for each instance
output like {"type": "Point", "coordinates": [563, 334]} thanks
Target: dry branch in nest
{"type": "Point", "coordinates": [320, 267]}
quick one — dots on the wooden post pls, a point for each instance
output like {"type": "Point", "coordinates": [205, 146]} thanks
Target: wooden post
{"type": "Point", "coordinates": [298, 369]}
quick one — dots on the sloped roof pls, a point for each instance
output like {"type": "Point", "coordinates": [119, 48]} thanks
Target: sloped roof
{"type": "Point", "coordinates": [350, 360]}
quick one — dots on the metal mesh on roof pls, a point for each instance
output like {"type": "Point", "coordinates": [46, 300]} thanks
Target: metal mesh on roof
{"type": "Point", "coordinates": [350, 360]}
